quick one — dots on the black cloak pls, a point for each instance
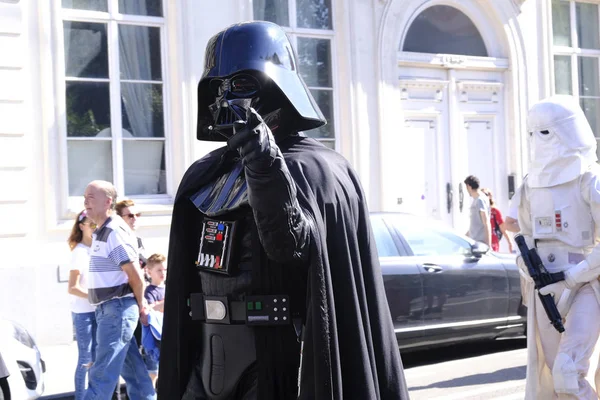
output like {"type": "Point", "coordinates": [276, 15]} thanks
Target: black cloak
{"type": "Point", "coordinates": [350, 349]}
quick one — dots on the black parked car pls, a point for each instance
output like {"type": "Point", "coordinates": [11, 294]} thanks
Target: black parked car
{"type": "Point", "coordinates": [444, 288]}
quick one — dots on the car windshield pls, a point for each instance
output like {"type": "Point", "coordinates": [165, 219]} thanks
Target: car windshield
{"type": "Point", "coordinates": [430, 238]}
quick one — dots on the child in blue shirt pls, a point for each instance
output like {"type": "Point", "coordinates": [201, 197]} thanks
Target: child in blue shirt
{"type": "Point", "coordinates": [155, 296]}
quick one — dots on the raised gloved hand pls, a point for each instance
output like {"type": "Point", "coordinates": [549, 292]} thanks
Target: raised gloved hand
{"type": "Point", "coordinates": [254, 141]}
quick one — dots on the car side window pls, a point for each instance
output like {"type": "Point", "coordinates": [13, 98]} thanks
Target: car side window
{"type": "Point", "coordinates": [383, 238]}
{"type": "Point", "coordinates": [430, 241]}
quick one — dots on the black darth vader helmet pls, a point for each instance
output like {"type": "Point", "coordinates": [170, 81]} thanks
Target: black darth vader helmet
{"type": "Point", "coordinates": [252, 64]}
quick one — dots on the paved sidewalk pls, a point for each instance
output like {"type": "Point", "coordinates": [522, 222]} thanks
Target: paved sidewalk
{"type": "Point", "coordinates": [60, 370]}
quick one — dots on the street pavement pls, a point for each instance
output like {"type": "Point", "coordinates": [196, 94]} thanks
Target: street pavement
{"type": "Point", "coordinates": [490, 371]}
{"type": "Point", "coordinates": [60, 370]}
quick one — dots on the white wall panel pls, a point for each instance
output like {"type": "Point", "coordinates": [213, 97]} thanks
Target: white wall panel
{"type": "Point", "coordinates": [10, 17]}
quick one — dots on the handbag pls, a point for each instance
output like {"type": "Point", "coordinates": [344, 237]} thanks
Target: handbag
{"type": "Point", "coordinates": [496, 227]}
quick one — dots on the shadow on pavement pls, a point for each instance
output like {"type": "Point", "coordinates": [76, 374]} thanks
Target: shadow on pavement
{"type": "Point", "coordinates": [501, 375]}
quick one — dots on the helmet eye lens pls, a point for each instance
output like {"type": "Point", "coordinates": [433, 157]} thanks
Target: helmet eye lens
{"type": "Point", "coordinates": [244, 85]}
{"type": "Point", "coordinates": [544, 132]}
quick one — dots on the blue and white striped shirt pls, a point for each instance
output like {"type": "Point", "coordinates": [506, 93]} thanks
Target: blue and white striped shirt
{"type": "Point", "coordinates": [113, 245]}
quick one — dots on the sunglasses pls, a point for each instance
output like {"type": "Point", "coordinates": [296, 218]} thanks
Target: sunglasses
{"type": "Point", "coordinates": [130, 216]}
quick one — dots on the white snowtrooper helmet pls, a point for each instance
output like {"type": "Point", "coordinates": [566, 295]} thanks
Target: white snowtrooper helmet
{"type": "Point", "coordinates": [561, 141]}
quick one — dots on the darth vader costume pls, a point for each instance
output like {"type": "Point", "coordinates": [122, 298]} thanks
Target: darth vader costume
{"type": "Point", "coordinates": [275, 290]}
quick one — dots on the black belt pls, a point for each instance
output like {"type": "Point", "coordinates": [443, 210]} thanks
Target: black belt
{"type": "Point", "coordinates": [266, 310]}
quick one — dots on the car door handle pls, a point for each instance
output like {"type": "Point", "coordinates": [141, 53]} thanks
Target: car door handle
{"type": "Point", "coordinates": [433, 268]}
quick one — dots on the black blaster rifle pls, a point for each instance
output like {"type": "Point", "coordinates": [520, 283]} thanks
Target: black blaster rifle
{"type": "Point", "coordinates": [541, 277]}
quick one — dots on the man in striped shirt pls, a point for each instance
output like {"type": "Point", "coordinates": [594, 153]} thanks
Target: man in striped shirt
{"type": "Point", "coordinates": [116, 288]}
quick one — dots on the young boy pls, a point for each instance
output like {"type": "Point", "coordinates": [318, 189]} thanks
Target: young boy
{"type": "Point", "coordinates": [155, 295]}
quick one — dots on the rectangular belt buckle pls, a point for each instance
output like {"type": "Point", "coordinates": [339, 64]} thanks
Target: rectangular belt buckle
{"type": "Point", "coordinates": [268, 310]}
{"type": "Point", "coordinates": [216, 309]}
{"type": "Point", "coordinates": [211, 309]}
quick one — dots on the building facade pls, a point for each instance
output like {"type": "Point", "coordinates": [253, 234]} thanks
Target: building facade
{"type": "Point", "coordinates": [418, 94]}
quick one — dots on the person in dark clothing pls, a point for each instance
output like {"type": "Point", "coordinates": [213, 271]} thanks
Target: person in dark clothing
{"type": "Point", "coordinates": [275, 290]}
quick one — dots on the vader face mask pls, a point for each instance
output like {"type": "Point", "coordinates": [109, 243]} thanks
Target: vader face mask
{"type": "Point", "coordinates": [236, 94]}
{"type": "Point", "coordinates": [233, 97]}
{"type": "Point", "coordinates": [561, 142]}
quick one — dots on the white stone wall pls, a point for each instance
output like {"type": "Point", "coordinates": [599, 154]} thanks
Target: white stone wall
{"type": "Point", "coordinates": [33, 225]}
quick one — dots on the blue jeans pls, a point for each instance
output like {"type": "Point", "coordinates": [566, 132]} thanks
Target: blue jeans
{"type": "Point", "coordinates": [117, 353]}
{"type": "Point", "coordinates": [150, 361]}
{"type": "Point", "coordinates": [85, 333]}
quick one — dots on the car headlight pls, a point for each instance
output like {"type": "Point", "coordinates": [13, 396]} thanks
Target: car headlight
{"type": "Point", "coordinates": [19, 333]}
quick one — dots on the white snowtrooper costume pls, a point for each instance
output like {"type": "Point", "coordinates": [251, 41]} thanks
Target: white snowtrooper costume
{"type": "Point", "coordinates": [559, 213]}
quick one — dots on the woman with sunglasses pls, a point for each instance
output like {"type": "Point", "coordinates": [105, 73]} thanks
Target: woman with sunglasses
{"type": "Point", "coordinates": [84, 318]}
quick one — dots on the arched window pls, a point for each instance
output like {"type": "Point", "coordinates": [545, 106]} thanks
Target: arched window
{"type": "Point", "coordinates": [445, 30]}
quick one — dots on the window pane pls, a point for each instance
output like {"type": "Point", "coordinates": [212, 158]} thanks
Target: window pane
{"type": "Point", "coordinates": [144, 167]}
{"type": "Point", "coordinates": [587, 25]}
{"type": "Point", "coordinates": [591, 108]}
{"type": "Point", "coordinates": [88, 160]}
{"type": "Point", "coordinates": [428, 240]}
{"type": "Point", "coordinates": [446, 30]}
{"type": "Point", "coordinates": [94, 5]}
{"type": "Point", "coordinates": [142, 109]}
{"type": "Point", "coordinates": [139, 52]}
{"type": "Point", "coordinates": [152, 8]}
{"type": "Point", "coordinates": [588, 76]}
{"type": "Point", "coordinates": [86, 53]}
{"type": "Point", "coordinates": [383, 239]}
{"type": "Point", "coordinates": [324, 99]}
{"type": "Point", "coordinates": [562, 75]}
{"type": "Point", "coordinates": [314, 57]}
{"type": "Point", "coordinates": [315, 14]}
{"type": "Point", "coordinates": [88, 108]}
{"type": "Point", "coordinates": [561, 23]}
{"type": "Point", "coordinates": [271, 10]}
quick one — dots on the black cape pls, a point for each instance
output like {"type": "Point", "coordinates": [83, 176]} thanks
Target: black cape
{"type": "Point", "coordinates": [350, 349]}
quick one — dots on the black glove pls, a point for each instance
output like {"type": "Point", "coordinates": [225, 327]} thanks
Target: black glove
{"type": "Point", "coordinates": [254, 141]}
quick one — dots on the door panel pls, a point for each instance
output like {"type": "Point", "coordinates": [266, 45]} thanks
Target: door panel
{"type": "Point", "coordinates": [457, 286]}
{"type": "Point", "coordinates": [419, 192]}
{"type": "Point", "coordinates": [479, 137]}
{"type": "Point", "coordinates": [402, 281]}
{"type": "Point", "coordinates": [463, 289]}
{"type": "Point", "coordinates": [404, 292]}
{"type": "Point", "coordinates": [480, 161]}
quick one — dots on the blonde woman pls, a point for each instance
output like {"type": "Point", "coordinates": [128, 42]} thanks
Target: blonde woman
{"type": "Point", "coordinates": [84, 318]}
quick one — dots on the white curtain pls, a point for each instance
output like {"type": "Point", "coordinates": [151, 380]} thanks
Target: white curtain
{"type": "Point", "coordinates": [142, 158]}
{"type": "Point", "coordinates": [134, 52]}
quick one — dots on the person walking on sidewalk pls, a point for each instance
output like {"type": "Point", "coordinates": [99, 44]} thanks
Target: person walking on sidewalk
{"type": "Point", "coordinates": [479, 227]}
{"type": "Point", "coordinates": [116, 289]}
{"type": "Point", "coordinates": [83, 313]}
